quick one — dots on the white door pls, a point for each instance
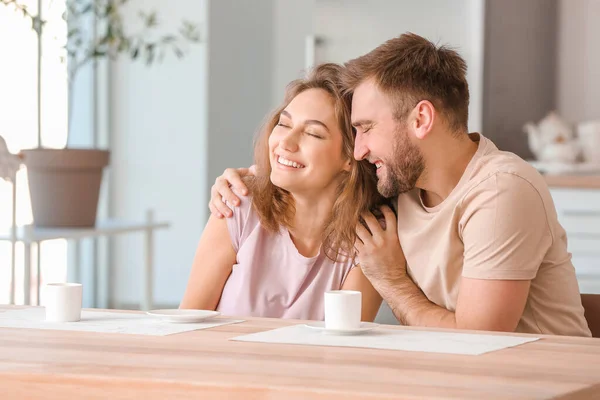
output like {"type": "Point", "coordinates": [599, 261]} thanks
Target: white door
{"type": "Point", "coordinates": [345, 29]}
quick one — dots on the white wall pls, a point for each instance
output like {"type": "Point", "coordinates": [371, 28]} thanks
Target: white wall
{"type": "Point", "coordinates": [293, 22]}
{"type": "Point", "coordinates": [240, 77]}
{"type": "Point", "coordinates": [578, 92]}
{"type": "Point", "coordinates": [159, 158]}
{"type": "Point", "coordinates": [350, 28]}
{"type": "Point", "coordinates": [520, 69]}
{"type": "Point", "coordinates": [177, 126]}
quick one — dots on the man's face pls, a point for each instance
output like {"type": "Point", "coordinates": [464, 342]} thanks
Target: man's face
{"type": "Point", "coordinates": [384, 141]}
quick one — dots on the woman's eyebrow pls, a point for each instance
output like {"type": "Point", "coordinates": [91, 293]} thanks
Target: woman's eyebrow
{"type": "Point", "coordinates": [316, 122]}
{"type": "Point", "coordinates": [308, 121]}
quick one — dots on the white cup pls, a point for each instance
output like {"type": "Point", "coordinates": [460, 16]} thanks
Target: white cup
{"type": "Point", "coordinates": [589, 138]}
{"type": "Point", "coordinates": [63, 302]}
{"type": "Point", "coordinates": [343, 309]}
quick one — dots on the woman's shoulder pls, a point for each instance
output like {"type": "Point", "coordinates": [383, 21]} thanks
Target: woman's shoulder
{"type": "Point", "coordinates": [244, 220]}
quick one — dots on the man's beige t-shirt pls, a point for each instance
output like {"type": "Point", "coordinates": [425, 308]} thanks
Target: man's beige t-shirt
{"type": "Point", "coordinates": [499, 222]}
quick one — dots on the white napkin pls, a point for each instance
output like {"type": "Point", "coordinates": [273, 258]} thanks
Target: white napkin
{"type": "Point", "coordinates": [105, 322]}
{"type": "Point", "coordinates": [391, 339]}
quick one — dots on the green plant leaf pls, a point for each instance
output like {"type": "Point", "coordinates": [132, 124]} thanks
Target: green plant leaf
{"type": "Point", "coordinates": [178, 52]}
{"type": "Point", "coordinates": [151, 20]}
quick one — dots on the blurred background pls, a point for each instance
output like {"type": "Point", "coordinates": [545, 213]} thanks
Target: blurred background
{"type": "Point", "coordinates": [174, 126]}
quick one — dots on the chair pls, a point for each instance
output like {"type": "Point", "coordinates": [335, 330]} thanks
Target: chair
{"type": "Point", "coordinates": [591, 305]}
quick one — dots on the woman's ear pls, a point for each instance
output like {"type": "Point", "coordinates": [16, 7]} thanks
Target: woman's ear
{"type": "Point", "coordinates": [347, 166]}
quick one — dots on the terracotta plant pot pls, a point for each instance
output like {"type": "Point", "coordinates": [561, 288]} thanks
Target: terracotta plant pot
{"type": "Point", "coordinates": [64, 185]}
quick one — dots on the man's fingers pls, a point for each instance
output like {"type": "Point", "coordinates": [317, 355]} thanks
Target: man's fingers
{"type": "Point", "coordinates": [390, 218]}
{"type": "Point", "coordinates": [214, 212]}
{"type": "Point", "coordinates": [362, 233]}
{"type": "Point", "coordinates": [217, 198]}
{"type": "Point", "coordinates": [233, 177]}
{"type": "Point", "coordinates": [224, 190]}
{"type": "Point", "coordinates": [217, 207]}
{"type": "Point", "coordinates": [372, 223]}
{"type": "Point", "coordinates": [358, 245]}
{"type": "Point", "coordinates": [221, 193]}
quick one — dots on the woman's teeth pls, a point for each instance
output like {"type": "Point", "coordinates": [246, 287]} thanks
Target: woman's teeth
{"type": "Point", "coordinates": [289, 163]}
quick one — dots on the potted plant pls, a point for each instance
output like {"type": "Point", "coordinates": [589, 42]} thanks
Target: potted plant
{"type": "Point", "coordinates": [64, 184]}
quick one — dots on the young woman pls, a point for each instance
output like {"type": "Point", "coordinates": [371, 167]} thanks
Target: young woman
{"type": "Point", "coordinates": [293, 238]}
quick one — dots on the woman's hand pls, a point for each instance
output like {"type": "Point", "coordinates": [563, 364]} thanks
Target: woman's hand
{"type": "Point", "coordinates": [222, 191]}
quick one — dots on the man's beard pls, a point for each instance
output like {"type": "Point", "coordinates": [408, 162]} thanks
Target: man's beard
{"type": "Point", "coordinates": [403, 169]}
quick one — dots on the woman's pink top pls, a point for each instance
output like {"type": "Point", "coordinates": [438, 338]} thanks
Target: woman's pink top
{"type": "Point", "coordinates": [270, 277]}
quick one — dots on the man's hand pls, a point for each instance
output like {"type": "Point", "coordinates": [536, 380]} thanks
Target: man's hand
{"type": "Point", "coordinates": [379, 252]}
{"type": "Point", "coordinates": [482, 304]}
{"type": "Point", "coordinates": [221, 190]}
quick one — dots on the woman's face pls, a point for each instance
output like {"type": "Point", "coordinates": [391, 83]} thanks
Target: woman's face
{"type": "Point", "coordinates": [305, 146]}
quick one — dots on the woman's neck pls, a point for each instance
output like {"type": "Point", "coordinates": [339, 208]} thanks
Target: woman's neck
{"type": "Point", "coordinates": [312, 213]}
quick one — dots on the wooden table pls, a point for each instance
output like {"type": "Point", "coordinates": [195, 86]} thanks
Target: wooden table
{"type": "Point", "coordinates": [205, 364]}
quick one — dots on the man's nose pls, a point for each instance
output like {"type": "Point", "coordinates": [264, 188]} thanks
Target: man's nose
{"type": "Point", "coordinates": [360, 149]}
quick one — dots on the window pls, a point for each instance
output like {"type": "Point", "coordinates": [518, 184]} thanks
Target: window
{"type": "Point", "coordinates": [19, 79]}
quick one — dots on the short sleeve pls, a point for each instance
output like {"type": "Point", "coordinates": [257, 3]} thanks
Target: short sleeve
{"type": "Point", "coordinates": [504, 228]}
{"type": "Point", "coordinates": [238, 224]}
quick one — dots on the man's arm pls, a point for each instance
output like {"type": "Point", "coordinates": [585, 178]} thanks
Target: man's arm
{"type": "Point", "coordinates": [494, 305]}
{"type": "Point", "coordinates": [505, 236]}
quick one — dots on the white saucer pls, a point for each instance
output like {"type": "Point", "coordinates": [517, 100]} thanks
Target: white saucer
{"type": "Point", "coordinates": [364, 327]}
{"type": "Point", "coordinates": [183, 316]}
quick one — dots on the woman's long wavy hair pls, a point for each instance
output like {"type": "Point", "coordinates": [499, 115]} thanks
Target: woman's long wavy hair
{"type": "Point", "coordinates": [356, 193]}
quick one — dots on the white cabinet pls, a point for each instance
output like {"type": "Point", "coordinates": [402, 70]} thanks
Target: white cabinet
{"type": "Point", "coordinates": [579, 213]}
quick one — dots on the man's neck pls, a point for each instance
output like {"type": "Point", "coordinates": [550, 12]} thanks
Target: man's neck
{"type": "Point", "coordinates": [446, 160]}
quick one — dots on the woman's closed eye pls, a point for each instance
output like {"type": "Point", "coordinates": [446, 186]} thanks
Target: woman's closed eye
{"type": "Point", "coordinates": [284, 125]}
{"type": "Point", "coordinates": [315, 135]}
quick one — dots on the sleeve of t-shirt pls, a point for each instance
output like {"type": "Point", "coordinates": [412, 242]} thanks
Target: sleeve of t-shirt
{"type": "Point", "coordinates": [238, 223]}
{"type": "Point", "coordinates": [504, 229]}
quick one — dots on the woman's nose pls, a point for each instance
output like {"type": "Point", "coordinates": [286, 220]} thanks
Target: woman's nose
{"type": "Point", "coordinates": [289, 142]}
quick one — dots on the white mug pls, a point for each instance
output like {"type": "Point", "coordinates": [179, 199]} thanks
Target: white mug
{"type": "Point", "coordinates": [589, 139]}
{"type": "Point", "coordinates": [343, 309]}
{"type": "Point", "coordinates": [63, 302]}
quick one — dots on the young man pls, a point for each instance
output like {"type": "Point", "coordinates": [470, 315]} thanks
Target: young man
{"type": "Point", "coordinates": [476, 243]}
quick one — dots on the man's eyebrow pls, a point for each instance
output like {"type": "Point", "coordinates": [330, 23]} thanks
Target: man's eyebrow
{"type": "Point", "coordinates": [362, 122]}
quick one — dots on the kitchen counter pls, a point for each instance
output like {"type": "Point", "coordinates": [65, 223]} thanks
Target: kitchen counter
{"type": "Point", "coordinates": [573, 181]}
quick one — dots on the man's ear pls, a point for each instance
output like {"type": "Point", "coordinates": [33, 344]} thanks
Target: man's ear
{"type": "Point", "coordinates": [424, 117]}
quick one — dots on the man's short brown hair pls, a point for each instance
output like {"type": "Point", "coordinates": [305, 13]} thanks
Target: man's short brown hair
{"type": "Point", "coordinates": [409, 69]}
